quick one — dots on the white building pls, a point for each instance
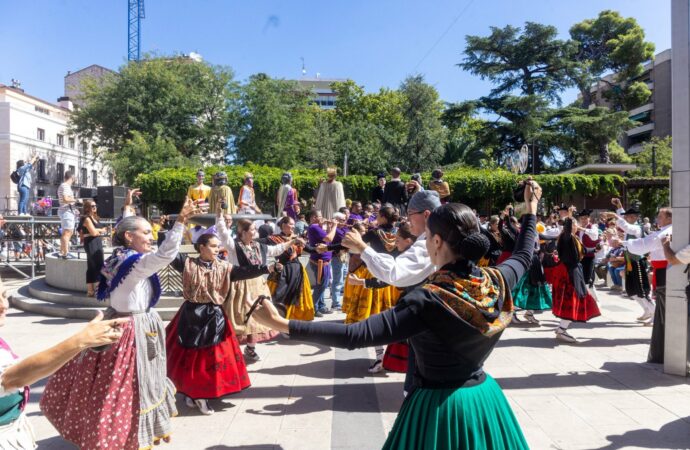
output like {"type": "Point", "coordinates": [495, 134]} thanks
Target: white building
{"type": "Point", "coordinates": [322, 89]}
{"type": "Point", "coordinates": [32, 126]}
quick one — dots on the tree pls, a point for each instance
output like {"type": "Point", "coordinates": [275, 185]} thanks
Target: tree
{"type": "Point", "coordinates": [610, 43]}
{"type": "Point", "coordinates": [463, 146]}
{"type": "Point", "coordinates": [530, 61]}
{"type": "Point", "coordinates": [422, 109]}
{"type": "Point", "coordinates": [655, 152]}
{"type": "Point", "coordinates": [142, 154]}
{"type": "Point", "coordinates": [176, 99]}
{"type": "Point", "coordinates": [274, 122]}
{"type": "Point", "coordinates": [587, 132]}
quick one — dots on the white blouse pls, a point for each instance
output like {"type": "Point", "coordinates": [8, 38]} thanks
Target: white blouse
{"type": "Point", "coordinates": [134, 292]}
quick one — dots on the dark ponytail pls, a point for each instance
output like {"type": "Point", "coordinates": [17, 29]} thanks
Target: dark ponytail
{"type": "Point", "coordinates": [390, 214]}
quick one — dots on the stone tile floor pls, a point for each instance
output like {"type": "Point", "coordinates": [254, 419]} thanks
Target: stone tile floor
{"type": "Point", "coordinates": [597, 394]}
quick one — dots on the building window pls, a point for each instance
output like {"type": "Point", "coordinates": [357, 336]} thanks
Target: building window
{"type": "Point", "coordinates": [61, 140]}
{"type": "Point", "coordinates": [83, 146]}
{"type": "Point", "coordinates": [72, 170]}
{"type": "Point", "coordinates": [40, 134]}
{"type": "Point", "coordinates": [42, 110]}
{"type": "Point", "coordinates": [94, 178]}
{"type": "Point", "coordinates": [72, 142]}
{"type": "Point", "coordinates": [60, 175]}
{"type": "Point", "coordinates": [84, 178]}
{"type": "Point", "coordinates": [42, 178]}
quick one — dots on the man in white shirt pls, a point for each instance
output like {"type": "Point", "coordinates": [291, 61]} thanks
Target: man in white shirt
{"type": "Point", "coordinates": [653, 244]}
{"type": "Point", "coordinates": [411, 267]}
{"type": "Point", "coordinates": [68, 213]}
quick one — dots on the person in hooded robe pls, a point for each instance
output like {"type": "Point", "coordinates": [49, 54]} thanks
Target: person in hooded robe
{"type": "Point", "coordinates": [331, 196]}
{"type": "Point", "coordinates": [287, 198]}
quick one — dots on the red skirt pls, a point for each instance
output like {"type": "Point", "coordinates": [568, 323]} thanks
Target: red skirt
{"type": "Point", "coordinates": [566, 305]}
{"type": "Point", "coordinates": [504, 255]}
{"type": "Point", "coordinates": [549, 274]}
{"type": "Point", "coordinates": [395, 358]}
{"type": "Point", "coordinates": [209, 372]}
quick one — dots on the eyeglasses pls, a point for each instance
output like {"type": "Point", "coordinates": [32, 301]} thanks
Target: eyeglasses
{"type": "Point", "coordinates": [410, 214]}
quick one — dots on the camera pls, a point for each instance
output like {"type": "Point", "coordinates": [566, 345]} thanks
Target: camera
{"type": "Point", "coordinates": [519, 192]}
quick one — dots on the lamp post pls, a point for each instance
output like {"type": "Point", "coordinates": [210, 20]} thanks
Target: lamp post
{"type": "Point", "coordinates": [653, 160]}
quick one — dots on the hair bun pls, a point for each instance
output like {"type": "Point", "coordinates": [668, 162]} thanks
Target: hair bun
{"type": "Point", "coordinates": [474, 246]}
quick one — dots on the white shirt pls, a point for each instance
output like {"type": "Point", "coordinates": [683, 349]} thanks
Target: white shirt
{"type": "Point", "coordinates": [632, 230]}
{"type": "Point", "coordinates": [134, 292]}
{"type": "Point", "coordinates": [683, 254]}
{"type": "Point", "coordinates": [649, 244]}
{"type": "Point", "coordinates": [410, 268]}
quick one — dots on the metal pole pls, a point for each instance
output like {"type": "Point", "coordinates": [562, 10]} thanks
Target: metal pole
{"type": "Point", "coordinates": [676, 330]}
{"type": "Point", "coordinates": [653, 160]}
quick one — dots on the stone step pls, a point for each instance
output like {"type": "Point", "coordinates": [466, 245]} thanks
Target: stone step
{"type": "Point", "coordinates": [41, 290]}
{"type": "Point", "coordinates": [45, 308]}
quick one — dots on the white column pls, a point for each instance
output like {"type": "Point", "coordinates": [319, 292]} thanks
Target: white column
{"type": "Point", "coordinates": [676, 348]}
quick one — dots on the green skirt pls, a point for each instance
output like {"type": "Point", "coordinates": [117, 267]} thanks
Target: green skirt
{"type": "Point", "coordinates": [477, 417]}
{"type": "Point", "coordinates": [528, 296]}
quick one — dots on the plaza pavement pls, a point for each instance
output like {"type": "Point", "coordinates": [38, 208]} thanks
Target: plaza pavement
{"type": "Point", "coordinates": [597, 394]}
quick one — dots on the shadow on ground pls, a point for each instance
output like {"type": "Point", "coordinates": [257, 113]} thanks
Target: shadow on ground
{"type": "Point", "coordinates": [675, 434]}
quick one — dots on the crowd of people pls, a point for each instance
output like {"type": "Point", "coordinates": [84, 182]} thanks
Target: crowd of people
{"type": "Point", "coordinates": [430, 284]}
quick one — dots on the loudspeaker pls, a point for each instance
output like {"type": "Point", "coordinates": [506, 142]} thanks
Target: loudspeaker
{"type": "Point", "coordinates": [111, 199]}
{"type": "Point", "coordinates": [86, 192]}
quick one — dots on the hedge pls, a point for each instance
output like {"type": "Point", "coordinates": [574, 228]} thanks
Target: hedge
{"type": "Point", "coordinates": [482, 189]}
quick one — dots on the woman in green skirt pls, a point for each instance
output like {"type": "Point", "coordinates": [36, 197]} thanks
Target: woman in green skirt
{"type": "Point", "coordinates": [453, 323]}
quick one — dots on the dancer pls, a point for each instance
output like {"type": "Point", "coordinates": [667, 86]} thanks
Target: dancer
{"type": "Point", "coordinates": [319, 267]}
{"type": "Point", "coordinates": [17, 374]}
{"type": "Point", "coordinates": [290, 288]}
{"type": "Point", "coordinates": [245, 251]}
{"type": "Point", "coordinates": [588, 234]}
{"type": "Point", "coordinates": [636, 266]}
{"type": "Point", "coordinates": [331, 196]}
{"type": "Point", "coordinates": [246, 200]}
{"type": "Point", "coordinates": [571, 299]}
{"type": "Point", "coordinates": [495, 237]}
{"type": "Point", "coordinates": [221, 194]}
{"type": "Point", "coordinates": [287, 198]}
{"type": "Point", "coordinates": [204, 357]}
{"type": "Point", "coordinates": [453, 322]}
{"type": "Point", "coordinates": [363, 301]}
{"type": "Point", "coordinates": [119, 397]}
{"type": "Point", "coordinates": [652, 244]}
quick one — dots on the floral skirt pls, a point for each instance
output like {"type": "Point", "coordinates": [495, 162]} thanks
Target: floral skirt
{"type": "Point", "coordinates": [117, 397]}
{"type": "Point", "coordinates": [208, 372]}
{"type": "Point", "coordinates": [363, 302]}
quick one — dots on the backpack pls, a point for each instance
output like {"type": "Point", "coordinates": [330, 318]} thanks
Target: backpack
{"type": "Point", "coordinates": [14, 176]}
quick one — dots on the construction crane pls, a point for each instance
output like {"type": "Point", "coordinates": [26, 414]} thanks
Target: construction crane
{"type": "Point", "coordinates": [135, 13]}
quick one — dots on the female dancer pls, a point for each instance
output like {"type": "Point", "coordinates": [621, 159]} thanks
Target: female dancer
{"type": "Point", "coordinates": [287, 197]}
{"type": "Point", "coordinates": [204, 357]}
{"type": "Point", "coordinates": [290, 287]}
{"type": "Point", "coordinates": [245, 251]}
{"type": "Point", "coordinates": [363, 301]}
{"type": "Point", "coordinates": [17, 374]}
{"type": "Point", "coordinates": [90, 227]}
{"type": "Point", "coordinates": [119, 397]}
{"type": "Point", "coordinates": [453, 323]}
{"type": "Point", "coordinates": [571, 299]}
{"type": "Point", "coordinates": [495, 237]}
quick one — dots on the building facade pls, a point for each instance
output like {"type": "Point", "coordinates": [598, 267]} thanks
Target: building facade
{"type": "Point", "coordinates": [31, 126]}
{"type": "Point", "coordinates": [73, 81]}
{"type": "Point", "coordinates": [652, 119]}
{"type": "Point", "coordinates": [324, 96]}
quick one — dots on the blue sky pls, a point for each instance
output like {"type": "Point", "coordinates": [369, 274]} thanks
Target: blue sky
{"type": "Point", "coordinates": [377, 43]}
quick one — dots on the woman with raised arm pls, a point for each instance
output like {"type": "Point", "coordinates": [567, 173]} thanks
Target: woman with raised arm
{"type": "Point", "coordinates": [453, 323]}
{"type": "Point", "coordinates": [119, 397]}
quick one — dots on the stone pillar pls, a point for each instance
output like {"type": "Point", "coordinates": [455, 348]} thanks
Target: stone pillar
{"type": "Point", "coordinates": [676, 349]}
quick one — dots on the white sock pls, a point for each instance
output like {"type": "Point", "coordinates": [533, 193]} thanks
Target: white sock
{"type": "Point", "coordinates": [564, 324]}
{"type": "Point", "coordinates": [379, 353]}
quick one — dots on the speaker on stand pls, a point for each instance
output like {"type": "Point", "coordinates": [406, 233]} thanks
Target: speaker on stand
{"type": "Point", "coordinates": [111, 199]}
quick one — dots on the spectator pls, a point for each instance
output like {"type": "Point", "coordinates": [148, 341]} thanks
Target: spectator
{"type": "Point", "coordinates": [67, 212]}
{"type": "Point", "coordinates": [300, 225]}
{"type": "Point", "coordinates": [377, 192]}
{"type": "Point", "coordinates": [395, 192]}
{"type": "Point", "coordinates": [24, 184]}
{"type": "Point", "coordinates": [91, 232]}
{"type": "Point", "coordinates": [615, 261]}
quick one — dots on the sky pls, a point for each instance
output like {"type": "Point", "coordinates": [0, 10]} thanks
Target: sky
{"type": "Point", "coordinates": [376, 43]}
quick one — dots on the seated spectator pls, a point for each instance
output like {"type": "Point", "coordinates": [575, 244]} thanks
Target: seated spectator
{"type": "Point", "coordinates": [615, 261]}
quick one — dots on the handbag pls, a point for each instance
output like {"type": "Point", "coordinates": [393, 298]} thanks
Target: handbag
{"type": "Point", "coordinates": [204, 325]}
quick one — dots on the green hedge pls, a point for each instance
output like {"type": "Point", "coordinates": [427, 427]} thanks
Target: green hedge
{"type": "Point", "coordinates": [483, 189]}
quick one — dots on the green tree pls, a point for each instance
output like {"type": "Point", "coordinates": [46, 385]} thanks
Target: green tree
{"type": "Point", "coordinates": [655, 152]}
{"type": "Point", "coordinates": [182, 101]}
{"type": "Point", "coordinates": [275, 122]}
{"type": "Point", "coordinates": [531, 60]}
{"type": "Point", "coordinates": [142, 154]}
{"type": "Point", "coordinates": [423, 148]}
{"type": "Point", "coordinates": [463, 146]}
{"type": "Point", "coordinates": [610, 43]}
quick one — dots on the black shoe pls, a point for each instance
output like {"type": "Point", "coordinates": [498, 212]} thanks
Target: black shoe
{"type": "Point", "coordinates": [318, 314]}
{"type": "Point", "coordinates": [326, 311]}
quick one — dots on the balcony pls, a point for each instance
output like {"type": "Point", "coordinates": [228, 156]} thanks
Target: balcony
{"type": "Point", "coordinates": [646, 128]}
{"type": "Point", "coordinates": [640, 110]}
